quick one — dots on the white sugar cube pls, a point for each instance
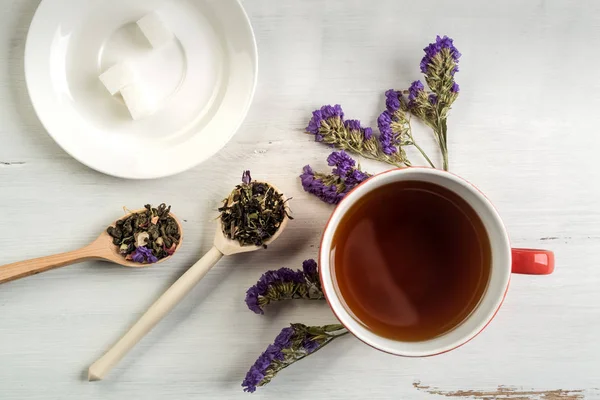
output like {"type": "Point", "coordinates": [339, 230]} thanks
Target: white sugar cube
{"type": "Point", "coordinates": [117, 77]}
{"type": "Point", "coordinates": [139, 103]}
{"type": "Point", "coordinates": [155, 30]}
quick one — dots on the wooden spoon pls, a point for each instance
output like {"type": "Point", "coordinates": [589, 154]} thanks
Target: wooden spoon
{"type": "Point", "coordinates": [222, 247]}
{"type": "Point", "coordinates": [100, 249]}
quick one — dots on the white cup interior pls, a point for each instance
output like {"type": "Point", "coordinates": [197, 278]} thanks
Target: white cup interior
{"type": "Point", "coordinates": [499, 276]}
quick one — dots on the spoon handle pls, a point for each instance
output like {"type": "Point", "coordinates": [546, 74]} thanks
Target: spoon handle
{"type": "Point", "coordinates": [155, 313]}
{"type": "Point", "coordinates": [22, 269]}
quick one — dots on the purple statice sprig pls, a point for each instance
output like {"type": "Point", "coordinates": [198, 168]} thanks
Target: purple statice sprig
{"type": "Point", "coordinates": [394, 122]}
{"type": "Point", "coordinates": [332, 188]}
{"type": "Point", "coordinates": [440, 64]}
{"type": "Point", "coordinates": [285, 284]}
{"type": "Point", "coordinates": [329, 126]}
{"type": "Point", "coordinates": [431, 105]}
{"type": "Point", "coordinates": [291, 345]}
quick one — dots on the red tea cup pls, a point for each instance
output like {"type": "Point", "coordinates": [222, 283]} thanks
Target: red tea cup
{"type": "Point", "coordinates": [504, 261]}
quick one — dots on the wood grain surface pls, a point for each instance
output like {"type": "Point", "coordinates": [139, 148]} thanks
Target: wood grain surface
{"type": "Point", "coordinates": [525, 130]}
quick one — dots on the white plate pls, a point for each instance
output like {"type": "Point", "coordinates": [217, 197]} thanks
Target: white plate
{"type": "Point", "coordinates": [204, 80]}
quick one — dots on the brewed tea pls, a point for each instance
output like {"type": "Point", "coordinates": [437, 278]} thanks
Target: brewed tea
{"type": "Point", "coordinates": [411, 260]}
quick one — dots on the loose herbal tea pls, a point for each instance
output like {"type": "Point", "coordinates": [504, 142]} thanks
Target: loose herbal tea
{"type": "Point", "coordinates": [253, 212]}
{"type": "Point", "coordinates": [148, 236]}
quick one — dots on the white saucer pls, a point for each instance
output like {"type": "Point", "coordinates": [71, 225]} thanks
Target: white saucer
{"type": "Point", "coordinates": [204, 80]}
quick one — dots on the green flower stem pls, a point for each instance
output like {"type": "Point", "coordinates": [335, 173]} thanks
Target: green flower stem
{"type": "Point", "coordinates": [371, 156]}
{"type": "Point", "coordinates": [445, 159]}
{"type": "Point", "coordinates": [414, 143]}
{"type": "Point", "coordinates": [445, 153]}
{"type": "Point", "coordinates": [423, 153]}
{"type": "Point", "coordinates": [441, 131]}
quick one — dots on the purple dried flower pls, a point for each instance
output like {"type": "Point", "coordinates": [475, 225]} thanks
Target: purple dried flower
{"type": "Point", "coordinates": [253, 378]}
{"type": "Point", "coordinates": [252, 300]}
{"type": "Point", "coordinates": [325, 113]}
{"type": "Point", "coordinates": [435, 48]}
{"type": "Point", "coordinates": [331, 195]}
{"type": "Point", "coordinates": [332, 188]}
{"type": "Point", "coordinates": [315, 123]}
{"type": "Point", "coordinates": [307, 177]}
{"type": "Point", "coordinates": [310, 345]}
{"type": "Point", "coordinates": [392, 100]}
{"type": "Point", "coordinates": [310, 267]}
{"type": "Point", "coordinates": [288, 275]}
{"type": "Point", "coordinates": [257, 372]}
{"type": "Point", "coordinates": [356, 177]}
{"type": "Point", "coordinates": [386, 137]}
{"type": "Point", "coordinates": [274, 286]}
{"type": "Point", "coordinates": [143, 254]}
{"type": "Point", "coordinates": [433, 99]}
{"type": "Point", "coordinates": [281, 275]}
{"type": "Point", "coordinates": [262, 362]}
{"type": "Point", "coordinates": [313, 185]}
{"type": "Point", "coordinates": [284, 338]}
{"type": "Point", "coordinates": [144, 250]}
{"type": "Point", "coordinates": [246, 178]}
{"type": "Point", "coordinates": [328, 194]}
{"type": "Point", "coordinates": [274, 352]}
{"type": "Point", "coordinates": [455, 88]}
{"type": "Point", "coordinates": [291, 345]}
{"type": "Point", "coordinates": [415, 90]}
{"type": "Point", "coordinates": [353, 125]}
{"type": "Point", "coordinates": [332, 111]}
{"type": "Point", "coordinates": [342, 161]}
{"type": "Point", "coordinates": [384, 121]}
{"type": "Point", "coordinates": [137, 257]}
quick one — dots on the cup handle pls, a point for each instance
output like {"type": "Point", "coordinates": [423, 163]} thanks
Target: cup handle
{"type": "Point", "coordinates": [532, 261]}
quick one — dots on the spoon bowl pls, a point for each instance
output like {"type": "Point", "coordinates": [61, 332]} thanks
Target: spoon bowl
{"type": "Point", "coordinates": [100, 249]}
{"type": "Point", "coordinates": [230, 247]}
{"type": "Point", "coordinates": [111, 252]}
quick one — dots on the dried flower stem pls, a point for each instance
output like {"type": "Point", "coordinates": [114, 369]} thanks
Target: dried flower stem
{"type": "Point", "coordinates": [414, 143]}
{"type": "Point", "coordinates": [444, 149]}
{"type": "Point", "coordinates": [423, 154]}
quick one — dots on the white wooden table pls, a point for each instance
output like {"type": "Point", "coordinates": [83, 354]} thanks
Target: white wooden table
{"type": "Point", "coordinates": [525, 130]}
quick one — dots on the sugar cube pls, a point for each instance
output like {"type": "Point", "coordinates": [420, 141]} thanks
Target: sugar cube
{"type": "Point", "coordinates": [139, 103]}
{"type": "Point", "coordinates": [157, 33]}
{"type": "Point", "coordinates": [117, 77]}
